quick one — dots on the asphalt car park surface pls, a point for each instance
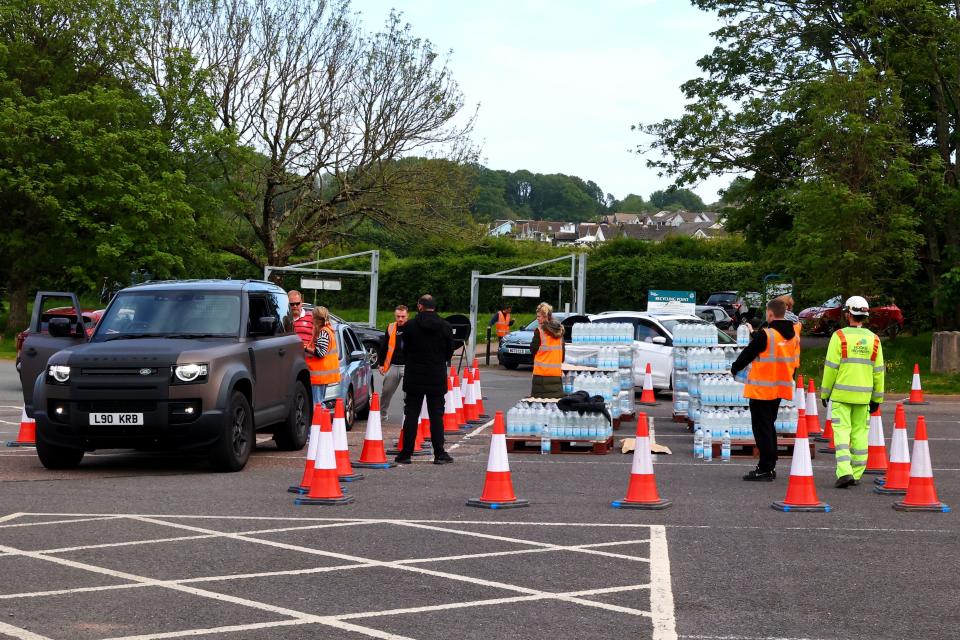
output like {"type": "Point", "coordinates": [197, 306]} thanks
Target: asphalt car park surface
{"type": "Point", "coordinates": [147, 545]}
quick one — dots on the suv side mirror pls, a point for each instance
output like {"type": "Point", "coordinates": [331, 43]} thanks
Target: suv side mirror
{"type": "Point", "coordinates": [659, 340]}
{"type": "Point", "coordinates": [358, 355]}
{"type": "Point", "coordinates": [266, 326]}
{"type": "Point", "coordinates": [60, 327]}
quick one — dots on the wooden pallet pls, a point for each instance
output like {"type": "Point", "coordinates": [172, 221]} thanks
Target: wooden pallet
{"type": "Point", "coordinates": [748, 448]}
{"type": "Point", "coordinates": [561, 445]}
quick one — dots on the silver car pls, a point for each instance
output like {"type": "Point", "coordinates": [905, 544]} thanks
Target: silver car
{"type": "Point", "coordinates": [356, 377]}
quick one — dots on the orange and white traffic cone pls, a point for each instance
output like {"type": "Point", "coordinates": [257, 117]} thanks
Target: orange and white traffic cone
{"type": "Point", "coordinates": [27, 436]}
{"type": "Point", "coordinates": [458, 404]}
{"type": "Point", "coordinates": [801, 492]}
{"type": "Point", "coordinates": [642, 490]}
{"type": "Point", "coordinates": [478, 392]}
{"type": "Point", "coordinates": [647, 397]}
{"type": "Point", "coordinates": [324, 487]}
{"type": "Point", "coordinates": [373, 455]}
{"type": "Point", "coordinates": [799, 397]}
{"type": "Point", "coordinates": [423, 426]}
{"type": "Point", "coordinates": [876, 446]}
{"type": "Point", "coordinates": [898, 468]}
{"type": "Point", "coordinates": [304, 486]}
{"type": "Point", "coordinates": [341, 451]}
{"type": "Point", "coordinates": [828, 431]}
{"type": "Point", "coordinates": [921, 493]}
{"type": "Point", "coordinates": [498, 486]}
{"type": "Point", "coordinates": [916, 391]}
{"type": "Point", "coordinates": [469, 402]}
{"type": "Point", "coordinates": [813, 413]}
{"type": "Point", "coordinates": [450, 424]}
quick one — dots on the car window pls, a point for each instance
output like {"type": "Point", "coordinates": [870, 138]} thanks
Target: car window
{"type": "Point", "coordinates": [646, 331]}
{"type": "Point", "coordinates": [171, 312]}
{"type": "Point", "coordinates": [352, 343]}
{"type": "Point", "coordinates": [833, 303]}
{"type": "Point", "coordinates": [719, 298]}
{"type": "Point", "coordinates": [283, 309]}
{"type": "Point", "coordinates": [263, 305]}
{"type": "Point", "coordinates": [532, 326]}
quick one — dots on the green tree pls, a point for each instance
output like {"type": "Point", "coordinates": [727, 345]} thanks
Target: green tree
{"type": "Point", "coordinates": [633, 204]}
{"type": "Point", "coordinates": [676, 198]}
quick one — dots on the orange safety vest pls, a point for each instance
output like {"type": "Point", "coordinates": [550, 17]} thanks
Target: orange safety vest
{"type": "Point", "coordinates": [391, 345]}
{"type": "Point", "coordinates": [549, 358]}
{"type": "Point", "coordinates": [503, 324]}
{"type": "Point", "coordinates": [326, 370]}
{"type": "Point", "coordinates": [796, 332]}
{"type": "Point", "coordinates": [771, 374]}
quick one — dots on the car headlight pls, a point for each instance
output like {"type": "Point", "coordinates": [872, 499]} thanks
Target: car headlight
{"type": "Point", "coordinates": [59, 373]}
{"type": "Point", "coordinates": [187, 373]}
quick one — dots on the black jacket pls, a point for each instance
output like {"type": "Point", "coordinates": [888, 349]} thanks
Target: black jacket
{"type": "Point", "coordinates": [398, 359]}
{"type": "Point", "coordinates": [427, 348]}
{"type": "Point", "coordinates": [759, 342]}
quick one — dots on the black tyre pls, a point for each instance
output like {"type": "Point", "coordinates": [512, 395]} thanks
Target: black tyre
{"type": "Point", "coordinates": [292, 434]}
{"type": "Point", "coordinates": [373, 354]}
{"type": "Point", "coordinates": [350, 409]}
{"type": "Point", "coordinates": [510, 365]}
{"type": "Point", "coordinates": [893, 330]}
{"type": "Point", "coordinates": [232, 451]}
{"type": "Point", "coordinates": [54, 457]}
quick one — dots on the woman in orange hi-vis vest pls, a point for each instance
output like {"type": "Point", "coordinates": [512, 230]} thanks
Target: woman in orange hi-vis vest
{"type": "Point", "coordinates": [324, 360]}
{"type": "Point", "coordinates": [773, 354]}
{"type": "Point", "coordinates": [547, 349]}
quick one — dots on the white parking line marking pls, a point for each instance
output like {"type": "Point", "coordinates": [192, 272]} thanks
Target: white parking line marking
{"type": "Point", "coordinates": [10, 516]}
{"type": "Point", "coordinates": [45, 522]}
{"type": "Point", "coordinates": [661, 593]}
{"type": "Point", "coordinates": [20, 634]}
{"type": "Point", "coordinates": [471, 434]}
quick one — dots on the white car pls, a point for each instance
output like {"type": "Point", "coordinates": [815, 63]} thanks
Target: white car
{"type": "Point", "coordinates": [653, 336]}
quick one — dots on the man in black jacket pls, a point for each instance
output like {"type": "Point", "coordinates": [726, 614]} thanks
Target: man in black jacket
{"type": "Point", "coordinates": [427, 348]}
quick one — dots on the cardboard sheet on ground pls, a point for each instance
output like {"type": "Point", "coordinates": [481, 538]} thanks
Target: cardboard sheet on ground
{"type": "Point", "coordinates": [627, 445]}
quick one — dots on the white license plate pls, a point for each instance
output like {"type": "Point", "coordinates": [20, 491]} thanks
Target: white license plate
{"type": "Point", "coordinates": [115, 419]}
{"type": "Point", "coordinates": [517, 351]}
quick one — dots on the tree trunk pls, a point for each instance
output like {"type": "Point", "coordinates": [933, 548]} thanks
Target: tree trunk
{"type": "Point", "coordinates": [17, 291]}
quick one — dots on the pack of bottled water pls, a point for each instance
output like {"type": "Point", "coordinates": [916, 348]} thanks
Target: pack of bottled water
{"type": "Point", "coordinates": [734, 421]}
{"type": "Point", "coordinates": [703, 445]}
{"type": "Point", "coordinates": [694, 334]}
{"type": "Point", "coordinates": [710, 359]}
{"type": "Point", "coordinates": [680, 357]}
{"type": "Point", "coordinates": [787, 418]}
{"type": "Point", "coordinates": [546, 420]}
{"type": "Point", "coordinates": [721, 389]}
{"type": "Point", "coordinates": [681, 402]}
{"type": "Point", "coordinates": [743, 335]}
{"type": "Point", "coordinates": [602, 333]}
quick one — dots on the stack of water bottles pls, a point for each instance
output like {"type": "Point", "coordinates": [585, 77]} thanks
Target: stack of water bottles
{"type": "Point", "coordinates": [600, 357]}
{"type": "Point", "coordinates": [538, 420]}
{"type": "Point", "coordinates": [721, 389]}
{"type": "Point", "coordinates": [607, 385]}
{"type": "Point", "coordinates": [709, 359]}
{"type": "Point", "coordinates": [588, 333]}
{"type": "Point", "coordinates": [703, 445]}
{"type": "Point", "coordinates": [694, 334]}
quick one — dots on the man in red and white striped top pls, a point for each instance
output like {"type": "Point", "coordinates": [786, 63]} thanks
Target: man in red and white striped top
{"type": "Point", "coordinates": [302, 322]}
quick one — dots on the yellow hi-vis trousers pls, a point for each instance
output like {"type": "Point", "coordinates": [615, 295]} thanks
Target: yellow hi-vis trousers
{"type": "Point", "coordinates": [851, 426]}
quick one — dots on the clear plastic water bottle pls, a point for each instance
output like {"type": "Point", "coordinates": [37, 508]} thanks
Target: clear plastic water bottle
{"type": "Point", "coordinates": [707, 445]}
{"type": "Point", "coordinates": [725, 447]}
{"type": "Point", "coordinates": [743, 335]}
{"type": "Point", "coordinates": [698, 444]}
{"type": "Point", "coordinates": [544, 439]}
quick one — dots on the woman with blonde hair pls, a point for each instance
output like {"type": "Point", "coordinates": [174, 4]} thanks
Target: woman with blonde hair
{"type": "Point", "coordinates": [547, 350]}
{"type": "Point", "coordinates": [323, 356]}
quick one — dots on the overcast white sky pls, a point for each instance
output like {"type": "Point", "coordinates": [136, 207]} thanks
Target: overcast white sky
{"type": "Point", "coordinates": [560, 82]}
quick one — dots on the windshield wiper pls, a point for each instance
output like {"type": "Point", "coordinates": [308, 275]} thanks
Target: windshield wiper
{"type": "Point", "coordinates": [198, 335]}
{"type": "Point", "coordinates": [131, 336]}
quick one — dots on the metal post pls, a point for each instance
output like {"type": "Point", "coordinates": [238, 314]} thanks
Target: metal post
{"type": "Point", "coordinates": [474, 303]}
{"type": "Point", "coordinates": [488, 346]}
{"type": "Point", "coordinates": [582, 284]}
{"type": "Point", "coordinates": [374, 285]}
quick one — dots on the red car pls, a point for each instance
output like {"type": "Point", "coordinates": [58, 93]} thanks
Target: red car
{"type": "Point", "coordinates": [90, 319]}
{"type": "Point", "coordinates": [885, 319]}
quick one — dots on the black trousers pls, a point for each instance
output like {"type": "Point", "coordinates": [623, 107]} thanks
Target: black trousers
{"type": "Point", "coordinates": [411, 419]}
{"type": "Point", "coordinates": [763, 416]}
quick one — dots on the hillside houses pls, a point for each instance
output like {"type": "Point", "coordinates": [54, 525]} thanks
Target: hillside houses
{"type": "Point", "coordinates": [653, 227]}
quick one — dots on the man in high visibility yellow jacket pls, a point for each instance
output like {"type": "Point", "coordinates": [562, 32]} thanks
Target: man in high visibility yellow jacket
{"type": "Point", "coordinates": [853, 378]}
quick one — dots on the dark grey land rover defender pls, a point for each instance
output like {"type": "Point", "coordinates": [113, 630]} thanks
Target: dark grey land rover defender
{"type": "Point", "coordinates": [200, 364]}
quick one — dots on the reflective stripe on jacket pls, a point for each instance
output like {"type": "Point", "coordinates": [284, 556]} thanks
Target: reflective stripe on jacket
{"type": "Point", "coordinates": [326, 370]}
{"type": "Point", "coordinates": [391, 345]}
{"type": "Point", "coordinates": [503, 324]}
{"type": "Point", "coordinates": [853, 371]}
{"type": "Point", "coordinates": [549, 358]}
{"type": "Point", "coordinates": [771, 373]}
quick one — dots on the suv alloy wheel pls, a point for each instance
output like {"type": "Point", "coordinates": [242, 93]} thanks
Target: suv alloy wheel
{"type": "Point", "coordinates": [232, 451]}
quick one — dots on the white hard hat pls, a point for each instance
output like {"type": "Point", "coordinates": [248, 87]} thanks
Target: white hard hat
{"type": "Point", "coordinates": [857, 306]}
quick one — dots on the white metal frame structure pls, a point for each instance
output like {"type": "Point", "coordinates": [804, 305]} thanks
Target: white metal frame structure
{"type": "Point", "coordinates": [311, 267]}
{"type": "Point", "coordinates": [577, 279]}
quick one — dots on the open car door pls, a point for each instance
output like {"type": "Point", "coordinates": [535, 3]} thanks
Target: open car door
{"type": "Point", "coordinates": [62, 309]}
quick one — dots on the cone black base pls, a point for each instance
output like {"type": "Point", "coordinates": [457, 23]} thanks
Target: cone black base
{"type": "Point", "coordinates": [780, 505]}
{"type": "Point", "coordinates": [21, 444]}
{"type": "Point", "coordinates": [484, 416]}
{"type": "Point", "coordinates": [889, 492]}
{"type": "Point", "coordinates": [351, 478]}
{"type": "Point", "coordinates": [826, 450]}
{"type": "Point", "coordinates": [374, 465]}
{"type": "Point", "coordinates": [916, 403]}
{"type": "Point", "coordinates": [343, 500]}
{"type": "Point", "coordinates": [298, 490]}
{"type": "Point", "coordinates": [476, 422]}
{"type": "Point", "coordinates": [624, 504]}
{"type": "Point", "coordinates": [875, 472]}
{"type": "Point", "coordinates": [649, 404]}
{"type": "Point", "coordinates": [820, 438]}
{"type": "Point", "coordinates": [483, 504]}
{"type": "Point", "coordinates": [939, 507]}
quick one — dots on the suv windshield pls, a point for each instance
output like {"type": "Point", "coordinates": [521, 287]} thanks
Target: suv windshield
{"type": "Point", "coordinates": [719, 298]}
{"type": "Point", "coordinates": [170, 314]}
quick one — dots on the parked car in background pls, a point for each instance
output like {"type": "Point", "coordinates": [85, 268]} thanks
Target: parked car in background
{"type": "Point", "coordinates": [886, 318]}
{"type": "Point", "coordinates": [738, 307]}
{"type": "Point", "coordinates": [90, 319]}
{"type": "Point", "coordinates": [653, 337]}
{"type": "Point", "coordinates": [514, 349]}
{"type": "Point", "coordinates": [356, 377]}
{"type": "Point", "coordinates": [715, 315]}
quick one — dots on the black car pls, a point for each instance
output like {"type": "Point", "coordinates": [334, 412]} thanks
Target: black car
{"type": "Point", "coordinates": [514, 348]}
{"type": "Point", "coordinates": [715, 315]}
{"type": "Point", "coordinates": [738, 307]}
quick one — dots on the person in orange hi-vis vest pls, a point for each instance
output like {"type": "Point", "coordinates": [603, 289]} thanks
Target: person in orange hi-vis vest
{"type": "Point", "coordinates": [392, 363]}
{"type": "Point", "coordinates": [772, 356]}
{"type": "Point", "coordinates": [323, 355]}
{"type": "Point", "coordinates": [547, 350]}
{"type": "Point", "coordinates": [501, 321]}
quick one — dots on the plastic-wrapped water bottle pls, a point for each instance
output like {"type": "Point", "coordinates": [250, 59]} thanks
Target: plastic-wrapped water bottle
{"type": "Point", "coordinates": [743, 335]}
{"type": "Point", "coordinates": [707, 445]}
{"type": "Point", "coordinates": [698, 444]}
{"type": "Point", "coordinates": [725, 447]}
